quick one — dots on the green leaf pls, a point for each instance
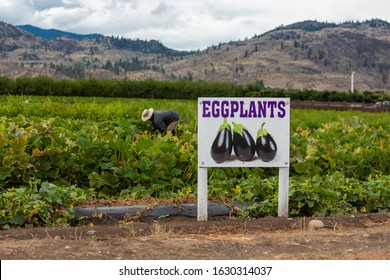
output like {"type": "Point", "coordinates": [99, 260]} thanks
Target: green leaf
{"type": "Point", "coordinates": [302, 167]}
{"type": "Point", "coordinates": [18, 219]}
{"type": "Point", "coordinates": [5, 172]}
{"type": "Point", "coordinates": [103, 179]}
{"type": "Point", "coordinates": [311, 150]}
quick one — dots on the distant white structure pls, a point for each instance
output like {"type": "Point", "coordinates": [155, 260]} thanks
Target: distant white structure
{"type": "Point", "coordinates": [352, 82]}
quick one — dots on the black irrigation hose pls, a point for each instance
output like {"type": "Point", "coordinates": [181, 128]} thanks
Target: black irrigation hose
{"type": "Point", "coordinates": [188, 210]}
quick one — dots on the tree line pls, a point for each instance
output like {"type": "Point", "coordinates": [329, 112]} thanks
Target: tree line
{"type": "Point", "coordinates": [182, 89]}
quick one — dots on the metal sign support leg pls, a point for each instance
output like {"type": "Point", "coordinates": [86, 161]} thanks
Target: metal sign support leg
{"type": "Point", "coordinates": [283, 192]}
{"type": "Point", "coordinates": [202, 194]}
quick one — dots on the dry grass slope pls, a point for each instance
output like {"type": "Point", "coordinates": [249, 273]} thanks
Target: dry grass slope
{"type": "Point", "coordinates": [305, 55]}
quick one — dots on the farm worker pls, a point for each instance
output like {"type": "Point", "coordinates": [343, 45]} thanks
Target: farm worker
{"type": "Point", "coordinates": [164, 120]}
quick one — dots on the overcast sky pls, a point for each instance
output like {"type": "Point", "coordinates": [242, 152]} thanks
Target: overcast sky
{"type": "Point", "coordinates": [185, 24]}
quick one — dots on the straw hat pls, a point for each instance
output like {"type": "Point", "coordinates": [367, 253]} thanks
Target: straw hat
{"type": "Point", "coordinates": [147, 114]}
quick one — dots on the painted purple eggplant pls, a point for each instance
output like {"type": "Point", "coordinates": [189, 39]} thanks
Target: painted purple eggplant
{"type": "Point", "coordinates": [266, 147]}
{"type": "Point", "coordinates": [243, 143]}
{"type": "Point", "coordinates": [221, 148]}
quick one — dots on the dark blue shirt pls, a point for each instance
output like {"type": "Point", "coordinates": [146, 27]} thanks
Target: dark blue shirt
{"type": "Point", "coordinates": [161, 119]}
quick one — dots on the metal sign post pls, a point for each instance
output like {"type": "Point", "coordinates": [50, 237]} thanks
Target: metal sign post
{"type": "Point", "coordinates": [202, 194]}
{"type": "Point", "coordinates": [258, 117]}
{"type": "Point", "coordinates": [283, 192]}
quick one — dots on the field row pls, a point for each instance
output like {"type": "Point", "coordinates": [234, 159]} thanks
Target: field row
{"type": "Point", "coordinates": [56, 152]}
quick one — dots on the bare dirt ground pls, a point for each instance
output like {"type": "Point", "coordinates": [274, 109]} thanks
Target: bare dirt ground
{"type": "Point", "coordinates": [343, 237]}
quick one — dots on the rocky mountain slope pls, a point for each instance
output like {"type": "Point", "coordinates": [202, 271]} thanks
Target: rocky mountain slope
{"type": "Point", "coordinates": [304, 55]}
{"type": "Point", "coordinates": [50, 34]}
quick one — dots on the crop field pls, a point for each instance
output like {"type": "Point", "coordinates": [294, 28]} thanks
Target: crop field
{"type": "Point", "coordinates": [57, 152]}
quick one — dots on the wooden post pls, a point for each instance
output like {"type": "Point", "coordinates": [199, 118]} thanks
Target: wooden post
{"type": "Point", "coordinates": [283, 192]}
{"type": "Point", "coordinates": [202, 213]}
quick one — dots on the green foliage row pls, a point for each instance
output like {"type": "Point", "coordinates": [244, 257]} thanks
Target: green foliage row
{"type": "Point", "coordinates": [39, 204]}
{"type": "Point", "coordinates": [351, 146]}
{"type": "Point", "coordinates": [99, 147]}
{"type": "Point", "coordinates": [183, 89]}
{"type": "Point", "coordinates": [109, 156]}
{"type": "Point", "coordinates": [330, 194]}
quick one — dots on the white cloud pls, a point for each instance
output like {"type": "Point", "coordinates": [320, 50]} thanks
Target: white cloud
{"type": "Point", "coordinates": [41, 5]}
{"type": "Point", "coordinates": [184, 24]}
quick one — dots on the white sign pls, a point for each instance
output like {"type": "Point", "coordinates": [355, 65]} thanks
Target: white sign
{"type": "Point", "coordinates": [243, 132]}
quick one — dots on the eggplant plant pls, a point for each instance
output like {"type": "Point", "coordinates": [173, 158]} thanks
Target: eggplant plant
{"type": "Point", "coordinates": [243, 143]}
{"type": "Point", "coordinates": [221, 148]}
{"type": "Point", "coordinates": [266, 147]}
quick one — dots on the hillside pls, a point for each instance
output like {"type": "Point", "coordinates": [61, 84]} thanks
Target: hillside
{"type": "Point", "coordinates": [303, 55]}
{"type": "Point", "coordinates": [49, 34]}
